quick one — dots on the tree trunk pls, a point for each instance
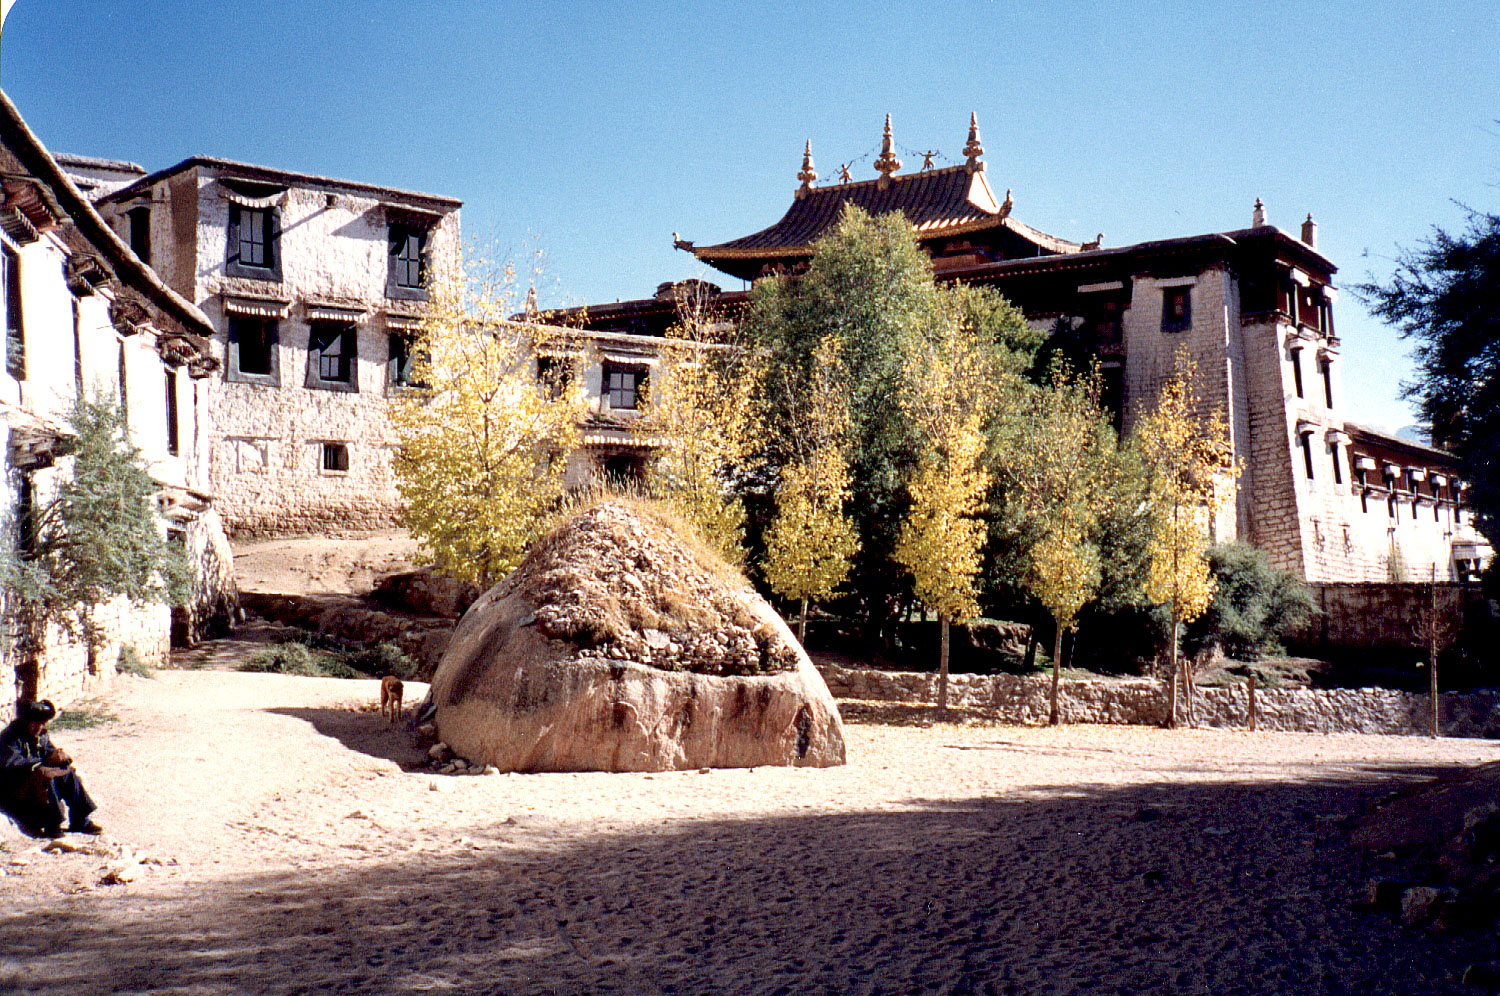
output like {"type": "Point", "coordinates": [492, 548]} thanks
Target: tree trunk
{"type": "Point", "coordinates": [1172, 680]}
{"type": "Point", "coordinates": [1435, 631]}
{"type": "Point", "coordinates": [1187, 690]}
{"type": "Point", "coordinates": [942, 662]}
{"type": "Point", "coordinates": [1252, 701]}
{"type": "Point", "coordinates": [802, 626]}
{"type": "Point", "coordinates": [1052, 716]}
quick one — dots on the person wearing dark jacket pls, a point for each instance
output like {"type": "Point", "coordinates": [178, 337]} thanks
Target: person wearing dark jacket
{"type": "Point", "coordinates": [37, 780]}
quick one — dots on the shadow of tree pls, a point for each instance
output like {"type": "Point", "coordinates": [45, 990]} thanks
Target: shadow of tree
{"type": "Point", "coordinates": [1208, 888]}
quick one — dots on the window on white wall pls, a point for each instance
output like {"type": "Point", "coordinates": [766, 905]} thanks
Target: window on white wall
{"type": "Point", "coordinates": [15, 337]}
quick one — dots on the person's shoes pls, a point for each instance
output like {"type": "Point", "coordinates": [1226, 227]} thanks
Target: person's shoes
{"type": "Point", "coordinates": [53, 832]}
{"type": "Point", "coordinates": [87, 826]}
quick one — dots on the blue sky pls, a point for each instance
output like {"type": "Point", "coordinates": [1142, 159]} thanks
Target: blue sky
{"type": "Point", "coordinates": [599, 129]}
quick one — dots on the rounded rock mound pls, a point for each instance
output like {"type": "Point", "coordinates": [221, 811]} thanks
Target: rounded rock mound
{"type": "Point", "coordinates": [622, 644]}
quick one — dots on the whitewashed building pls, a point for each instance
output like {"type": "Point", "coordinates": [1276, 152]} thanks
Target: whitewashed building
{"type": "Point", "coordinates": [83, 316]}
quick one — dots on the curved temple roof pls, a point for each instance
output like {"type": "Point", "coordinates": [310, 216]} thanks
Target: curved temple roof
{"type": "Point", "coordinates": [940, 203]}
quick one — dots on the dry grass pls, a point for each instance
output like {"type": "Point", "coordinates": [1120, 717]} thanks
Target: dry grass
{"type": "Point", "coordinates": [625, 569]}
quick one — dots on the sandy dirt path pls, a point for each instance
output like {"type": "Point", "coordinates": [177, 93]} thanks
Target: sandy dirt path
{"type": "Point", "coordinates": [300, 857]}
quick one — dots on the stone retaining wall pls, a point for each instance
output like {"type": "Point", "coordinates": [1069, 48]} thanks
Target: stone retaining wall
{"type": "Point", "coordinates": [1142, 701]}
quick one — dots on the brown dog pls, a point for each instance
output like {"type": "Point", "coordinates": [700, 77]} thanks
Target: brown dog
{"type": "Point", "coordinates": [390, 697]}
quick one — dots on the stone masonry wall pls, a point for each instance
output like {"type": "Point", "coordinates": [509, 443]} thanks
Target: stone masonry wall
{"type": "Point", "coordinates": [1016, 699]}
{"type": "Point", "coordinates": [69, 672]}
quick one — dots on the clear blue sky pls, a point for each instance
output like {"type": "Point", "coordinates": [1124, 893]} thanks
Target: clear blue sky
{"type": "Point", "coordinates": [601, 128]}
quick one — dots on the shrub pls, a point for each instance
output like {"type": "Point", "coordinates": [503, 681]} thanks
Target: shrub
{"type": "Point", "coordinates": [383, 659]}
{"type": "Point", "coordinates": [1254, 605]}
{"type": "Point", "coordinates": [130, 662]}
{"type": "Point", "coordinates": [298, 658]}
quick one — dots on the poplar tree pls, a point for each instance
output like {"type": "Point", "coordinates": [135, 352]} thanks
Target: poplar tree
{"type": "Point", "coordinates": [1190, 457]}
{"type": "Point", "coordinates": [1058, 464]}
{"type": "Point", "coordinates": [699, 422]}
{"type": "Point", "coordinates": [811, 542]}
{"type": "Point", "coordinates": [947, 398]}
{"type": "Point", "coordinates": [484, 446]}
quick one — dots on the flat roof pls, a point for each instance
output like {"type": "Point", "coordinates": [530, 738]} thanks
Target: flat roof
{"type": "Point", "coordinates": [268, 174]}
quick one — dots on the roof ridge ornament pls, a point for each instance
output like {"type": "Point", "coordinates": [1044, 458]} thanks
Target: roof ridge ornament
{"type": "Point", "coordinates": [886, 163]}
{"type": "Point", "coordinates": [1258, 216]}
{"type": "Point", "coordinates": [808, 174]}
{"type": "Point", "coordinates": [973, 150]}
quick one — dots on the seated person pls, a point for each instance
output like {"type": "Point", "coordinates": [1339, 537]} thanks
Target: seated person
{"type": "Point", "coordinates": [37, 779]}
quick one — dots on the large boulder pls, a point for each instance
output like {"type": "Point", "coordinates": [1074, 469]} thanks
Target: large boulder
{"type": "Point", "coordinates": [619, 644]}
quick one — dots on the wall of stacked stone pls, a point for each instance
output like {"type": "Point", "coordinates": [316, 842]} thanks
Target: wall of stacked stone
{"type": "Point", "coordinates": [68, 671]}
{"type": "Point", "coordinates": [1024, 700]}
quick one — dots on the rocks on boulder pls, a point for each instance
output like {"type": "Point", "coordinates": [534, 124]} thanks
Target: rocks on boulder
{"type": "Point", "coordinates": [621, 644]}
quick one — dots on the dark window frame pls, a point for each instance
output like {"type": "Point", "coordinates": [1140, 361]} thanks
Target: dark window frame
{"type": "Point", "coordinates": [1307, 454]}
{"type": "Point", "coordinates": [334, 457]}
{"type": "Point", "coordinates": [1296, 352]}
{"type": "Point", "coordinates": [330, 368]}
{"type": "Point", "coordinates": [1174, 319]}
{"type": "Point", "coordinates": [268, 266]}
{"type": "Point", "coordinates": [140, 232]}
{"type": "Point", "coordinates": [639, 374]}
{"type": "Point", "coordinates": [555, 375]}
{"type": "Point", "coordinates": [1325, 367]}
{"type": "Point", "coordinates": [408, 271]}
{"type": "Point", "coordinates": [15, 316]}
{"type": "Point", "coordinates": [267, 344]}
{"type": "Point", "coordinates": [174, 433]}
{"type": "Point", "coordinates": [1338, 475]}
{"type": "Point", "coordinates": [400, 357]}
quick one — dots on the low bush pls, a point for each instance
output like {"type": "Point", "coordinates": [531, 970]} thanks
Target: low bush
{"type": "Point", "coordinates": [130, 662]}
{"type": "Point", "coordinates": [1254, 605]}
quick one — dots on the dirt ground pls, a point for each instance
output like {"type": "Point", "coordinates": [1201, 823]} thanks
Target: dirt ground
{"type": "Point", "coordinates": [338, 565]}
{"type": "Point", "coordinates": [287, 850]}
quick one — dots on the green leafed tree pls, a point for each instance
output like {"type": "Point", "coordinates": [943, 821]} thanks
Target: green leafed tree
{"type": "Point", "coordinates": [1057, 463]}
{"type": "Point", "coordinates": [1445, 295]}
{"type": "Point", "coordinates": [97, 537]}
{"type": "Point", "coordinates": [811, 542]}
{"type": "Point", "coordinates": [870, 286]}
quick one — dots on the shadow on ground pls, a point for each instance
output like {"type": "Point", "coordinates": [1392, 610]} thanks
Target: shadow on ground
{"type": "Point", "coordinates": [364, 731]}
{"type": "Point", "coordinates": [1217, 889]}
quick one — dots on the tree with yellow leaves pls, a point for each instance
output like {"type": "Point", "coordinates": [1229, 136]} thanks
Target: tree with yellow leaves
{"type": "Point", "coordinates": [1058, 465]}
{"type": "Point", "coordinates": [1190, 457]}
{"type": "Point", "coordinates": [811, 543]}
{"type": "Point", "coordinates": [699, 421]}
{"type": "Point", "coordinates": [483, 446]}
{"type": "Point", "coordinates": [946, 397]}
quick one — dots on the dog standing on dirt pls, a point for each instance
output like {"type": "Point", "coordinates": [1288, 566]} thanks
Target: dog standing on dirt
{"type": "Point", "coordinates": [390, 697]}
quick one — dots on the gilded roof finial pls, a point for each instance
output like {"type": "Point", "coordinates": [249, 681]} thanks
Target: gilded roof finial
{"type": "Point", "coordinates": [927, 159]}
{"type": "Point", "coordinates": [1258, 216]}
{"type": "Point", "coordinates": [808, 174]}
{"type": "Point", "coordinates": [974, 150]}
{"type": "Point", "coordinates": [887, 163]}
{"type": "Point", "coordinates": [844, 175]}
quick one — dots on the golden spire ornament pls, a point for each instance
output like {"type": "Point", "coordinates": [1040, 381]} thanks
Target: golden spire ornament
{"type": "Point", "coordinates": [887, 163]}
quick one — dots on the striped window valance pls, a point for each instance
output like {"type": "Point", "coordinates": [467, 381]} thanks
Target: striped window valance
{"type": "Point", "coordinates": [330, 313]}
{"type": "Point", "coordinates": [256, 307]}
{"type": "Point", "coordinates": [403, 323]}
{"type": "Point", "coordinates": [260, 202]}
